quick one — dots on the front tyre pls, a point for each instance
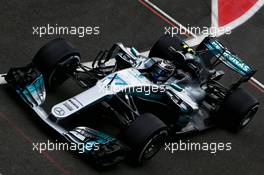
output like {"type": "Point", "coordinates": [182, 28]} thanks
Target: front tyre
{"type": "Point", "coordinates": [145, 136]}
{"type": "Point", "coordinates": [237, 110]}
{"type": "Point", "coordinates": [52, 59]}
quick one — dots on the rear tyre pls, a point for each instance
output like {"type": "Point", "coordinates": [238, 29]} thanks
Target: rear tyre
{"type": "Point", "coordinates": [145, 136]}
{"type": "Point", "coordinates": [161, 48]}
{"type": "Point", "coordinates": [237, 110]}
{"type": "Point", "coordinates": [52, 58]}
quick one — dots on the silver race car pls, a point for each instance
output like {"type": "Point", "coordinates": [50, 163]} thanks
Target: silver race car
{"type": "Point", "coordinates": [172, 91]}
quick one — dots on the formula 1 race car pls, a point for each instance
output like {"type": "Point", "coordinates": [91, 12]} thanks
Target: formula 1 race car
{"type": "Point", "coordinates": [174, 90]}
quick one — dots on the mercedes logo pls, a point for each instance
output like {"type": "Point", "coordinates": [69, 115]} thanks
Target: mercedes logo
{"type": "Point", "coordinates": [59, 111]}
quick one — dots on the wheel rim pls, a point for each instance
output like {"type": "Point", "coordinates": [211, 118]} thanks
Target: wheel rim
{"type": "Point", "coordinates": [248, 117]}
{"type": "Point", "coordinates": [153, 146]}
{"type": "Point", "coordinates": [151, 150]}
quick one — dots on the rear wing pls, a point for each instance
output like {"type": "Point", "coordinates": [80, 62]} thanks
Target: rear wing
{"type": "Point", "coordinates": [228, 58]}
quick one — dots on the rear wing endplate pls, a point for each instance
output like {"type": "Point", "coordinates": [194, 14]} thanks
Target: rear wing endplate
{"type": "Point", "coordinates": [227, 57]}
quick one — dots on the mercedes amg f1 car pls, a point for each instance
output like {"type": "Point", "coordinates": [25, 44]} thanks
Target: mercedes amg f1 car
{"type": "Point", "coordinates": [174, 90]}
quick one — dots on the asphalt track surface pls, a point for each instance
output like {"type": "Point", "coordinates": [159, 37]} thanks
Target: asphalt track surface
{"type": "Point", "coordinates": [131, 23]}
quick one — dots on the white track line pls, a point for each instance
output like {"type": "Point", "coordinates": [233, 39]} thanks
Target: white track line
{"type": "Point", "coordinates": [195, 40]}
{"type": "Point", "coordinates": [259, 84]}
{"type": "Point", "coordinates": [168, 17]}
{"type": "Point", "coordinates": [214, 13]}
{"type": "Point", "coordinates": [230, 26]}
{"type": "Point", "coordinates": [242, 19]}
